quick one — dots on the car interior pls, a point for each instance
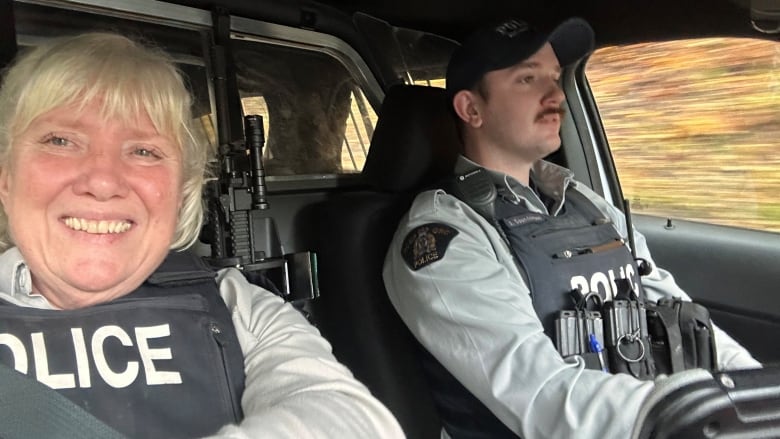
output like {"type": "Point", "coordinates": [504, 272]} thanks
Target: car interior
{"type": "Point", "coordinates": [404, 159]}
{"type": "Point", "coordinates": [357, 123]}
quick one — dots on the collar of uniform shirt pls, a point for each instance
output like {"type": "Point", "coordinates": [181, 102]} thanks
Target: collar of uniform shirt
{"type": "Point", "coordinates": [15, 281]}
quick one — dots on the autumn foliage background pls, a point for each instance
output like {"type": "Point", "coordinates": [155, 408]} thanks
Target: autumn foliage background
{"type": "Point", "coordinates": [694, 127]}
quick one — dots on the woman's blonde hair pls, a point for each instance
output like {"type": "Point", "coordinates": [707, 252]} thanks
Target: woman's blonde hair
{"type": "Point", "coordinates": [129, 79]}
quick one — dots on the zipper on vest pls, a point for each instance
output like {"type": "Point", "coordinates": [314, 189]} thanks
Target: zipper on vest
{"type": "Point", "coordinates": [219, 338]}
{"type": "Point", "coordinates": [579, 251]}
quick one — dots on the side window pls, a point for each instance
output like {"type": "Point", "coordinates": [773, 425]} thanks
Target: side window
{"type": "Point", "coordinates": [317, 108]}
{"type": "Point", "coordinates": [694, 127]}
{"type": "Point", "coordinates": [317, 118]}
{"type": "Point", "coordinates": [413, 56]}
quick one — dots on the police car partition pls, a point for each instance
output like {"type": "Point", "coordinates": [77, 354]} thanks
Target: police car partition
{"type": "Point", "coordinates": [240, 227]}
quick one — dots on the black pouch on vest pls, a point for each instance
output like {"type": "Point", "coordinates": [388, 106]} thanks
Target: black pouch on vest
{"type": "Point", "coordinates": [682, 336]}
{"type": "Point", "coordinates": [626, 334]}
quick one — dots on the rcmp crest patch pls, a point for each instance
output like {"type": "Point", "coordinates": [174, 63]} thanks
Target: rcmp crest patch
{"type": "Point", "coordinates": [426, 244]}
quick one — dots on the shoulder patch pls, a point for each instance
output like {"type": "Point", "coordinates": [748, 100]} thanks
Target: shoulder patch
{"type": "Point", "coordinates": [426, 244]}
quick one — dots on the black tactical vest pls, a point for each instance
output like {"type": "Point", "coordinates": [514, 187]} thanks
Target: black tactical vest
{"type": "Point", "coordinates": [162, 361]}
{"type": "Point", "coordinates": [578, 249]}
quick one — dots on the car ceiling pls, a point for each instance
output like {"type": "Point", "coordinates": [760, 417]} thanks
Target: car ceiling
{"type": "Point", "coordinates": [615, 21]}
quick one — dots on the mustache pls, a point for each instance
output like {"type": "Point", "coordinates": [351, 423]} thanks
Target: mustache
{"type": "Point", "coordinates": [558, 111]}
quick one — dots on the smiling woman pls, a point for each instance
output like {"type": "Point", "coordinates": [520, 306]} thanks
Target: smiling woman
{"type": "Point", "coordinates": [92, 175]}
{"type": "Point", "coordinates": [100, 184]}
{"type": "Point", "coordinates": [145, 86]}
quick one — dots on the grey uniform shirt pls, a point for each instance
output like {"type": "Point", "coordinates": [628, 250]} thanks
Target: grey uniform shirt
{"type": "Point", "coordinates": [472, 310]}
{"type": "Point", "coordinates": [294, 386]}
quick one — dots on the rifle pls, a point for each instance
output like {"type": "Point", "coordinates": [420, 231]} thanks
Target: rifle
{"type": "Point", "coordinates": [240, 227]}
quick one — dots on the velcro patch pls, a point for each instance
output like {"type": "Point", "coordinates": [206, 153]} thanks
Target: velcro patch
{"type": "Point", "coordinates": [426, 244]}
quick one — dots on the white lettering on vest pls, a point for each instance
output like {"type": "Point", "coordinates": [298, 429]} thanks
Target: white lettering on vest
{"type": "Point", "coordinates": [631, 276]}
{"type": "Point", "coordinates": [82, 361]}
{"type": "Point", "coordinates": [17, 352]}
{"type": "Point", "coordinates": [41, 360]}
{"type": "Point", "coordinates": [153, 376]}
{"type": "Point", "coordinates": [604, 283]}
{"type": "Point", "coordinates": [114, 378]}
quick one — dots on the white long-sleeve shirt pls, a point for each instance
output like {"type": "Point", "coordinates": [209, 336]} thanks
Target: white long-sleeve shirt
{"type": "Point", "coordinates": [472, 310]}
{"type": "Point", "coordinates": [294, 386]}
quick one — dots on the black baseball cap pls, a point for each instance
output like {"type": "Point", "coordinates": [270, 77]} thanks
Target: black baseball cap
{"type": "Point", "coordinates": [511, 41]}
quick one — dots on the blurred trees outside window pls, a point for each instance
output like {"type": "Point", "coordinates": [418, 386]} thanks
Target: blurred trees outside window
{"type": "Point", "coordinates": [694, 127]}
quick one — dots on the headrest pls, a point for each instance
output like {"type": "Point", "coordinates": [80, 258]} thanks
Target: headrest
{"type": "Point", "coordinates": [415, 141]}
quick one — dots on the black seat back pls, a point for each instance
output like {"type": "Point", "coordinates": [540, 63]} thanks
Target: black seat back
{"type": "Point", "coordinates": [414, 144]}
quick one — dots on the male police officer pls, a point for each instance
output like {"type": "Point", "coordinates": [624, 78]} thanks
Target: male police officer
{"type": "Point", "coordinates": [480, 272]}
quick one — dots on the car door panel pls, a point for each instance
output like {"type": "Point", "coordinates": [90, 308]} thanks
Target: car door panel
{"type": "Point", "coordinates": [734, 272]}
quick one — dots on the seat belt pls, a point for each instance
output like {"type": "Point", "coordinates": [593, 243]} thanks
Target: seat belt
{"type": "Point", "coordinates": [30, 409]}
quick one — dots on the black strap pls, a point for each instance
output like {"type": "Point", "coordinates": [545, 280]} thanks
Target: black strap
{"type": "Point", "coordinates": [30, 409]}
{"type": "Point", "coordinates": [668, 312]}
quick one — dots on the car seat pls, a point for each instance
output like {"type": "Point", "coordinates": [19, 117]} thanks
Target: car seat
{"type": "Point", "coordinates": [414, 145]}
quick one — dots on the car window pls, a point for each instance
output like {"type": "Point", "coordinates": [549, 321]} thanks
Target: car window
{"type": "Point", "coordinates": [413, 56]}
{"type": "Point", "coordinates": [694, 127]}
{"type": "Point", "coordinates": [316, 115]}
